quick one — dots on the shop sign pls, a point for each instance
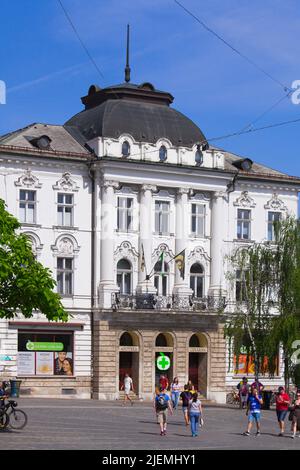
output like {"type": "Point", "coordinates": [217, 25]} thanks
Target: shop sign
{"type": "Point", "coordinates": [41, 346]}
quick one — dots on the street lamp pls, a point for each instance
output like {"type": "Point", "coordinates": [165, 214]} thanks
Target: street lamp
{"type": "Point", "coordinates": [244, 164]}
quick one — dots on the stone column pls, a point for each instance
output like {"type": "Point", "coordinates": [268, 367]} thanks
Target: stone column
{"type": "Point", "coordinates": [145, 241]}
{"type": "Point", "coordinates": [217, 251]}
{"type": "Point", "coordinates": [183, 224]}
{"type": "Point", "coordinates": [107, 269]}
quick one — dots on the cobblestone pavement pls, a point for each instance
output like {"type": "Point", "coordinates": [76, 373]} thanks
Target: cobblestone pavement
{"type": "Point", "coordinates": [88, 424]}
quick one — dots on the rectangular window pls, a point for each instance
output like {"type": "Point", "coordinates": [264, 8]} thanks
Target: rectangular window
{"type": "Point", "coordinates": [125, 214]}
{"type": "Point", "coordinates": [27, 206]}
{"type": "Point", "coordinates": [53, 355]}
{"type": "Point", "coordinates": [198, 220]}
{"type": "Point", "coordinates": [65, 209]}
{"type": "Point", "coordinates": [243, 224]}
{"type": "Point", "coordinates": [272, 218]}
{"type": "Point", "coordinates": [65, 276]}
{"type": "Point", "coordinates": [240, 287]}
{"type": "Point", "coordinates": [162, 217]}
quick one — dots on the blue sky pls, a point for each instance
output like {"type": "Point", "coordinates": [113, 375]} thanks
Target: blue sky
{"type": "Point", "coordinates": [46, 70]}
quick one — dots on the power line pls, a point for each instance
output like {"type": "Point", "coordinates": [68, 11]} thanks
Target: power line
{"type": "Point", "coordinates": [267, 110]}
{"type": "Point", "coordinates": [234, 134]}
{"type": "Point", "coordinates": [250, 61]}
{"type": "Point", "coordinates": [79, 39]}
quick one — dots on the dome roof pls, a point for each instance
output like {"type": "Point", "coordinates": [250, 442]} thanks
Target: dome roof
{"type": "Point", "coordinates": [138, 110]}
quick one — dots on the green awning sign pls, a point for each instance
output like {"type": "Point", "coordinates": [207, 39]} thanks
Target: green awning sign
{"type": "Point", "coordinates": [30, 346]}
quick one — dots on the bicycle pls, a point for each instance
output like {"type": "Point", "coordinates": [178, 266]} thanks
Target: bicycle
{"type": "Point", "coordinates": [233, 398]}
{"type": "Point", "coordinates": [10, 416]}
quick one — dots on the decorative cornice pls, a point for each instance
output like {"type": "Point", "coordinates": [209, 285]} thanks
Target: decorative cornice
{"type": "Point", "coordinates": [28, 180]}
{"type": "Point", "coordinates": [244, 200]}
{"type": "Point", "coordinates": [149, 187]}
{"type": "Point", "coordinates": [110, 184]}
{"type": "Point", "coordinates": [276, 204]}
{"type": "Point", "coordinates": [66, 183]}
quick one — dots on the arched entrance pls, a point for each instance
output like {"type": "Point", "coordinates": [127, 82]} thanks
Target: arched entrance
{"type": "Point", "coordinates": [198, 349]}
{"type": "Point", "coordinates": [129, 352]}
{"type": "Point", "coordinates": [164, 344]}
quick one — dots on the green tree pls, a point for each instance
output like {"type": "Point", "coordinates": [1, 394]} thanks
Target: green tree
{"type": "Point", "coordinates": [285, 329]}
{"type": "Point", "coordinates": [25, 284]}
{"type": "Point", "coordinates": [249, 324]}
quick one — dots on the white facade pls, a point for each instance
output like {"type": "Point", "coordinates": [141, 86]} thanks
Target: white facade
{"type": "Point", "coordinates": [113, 211]}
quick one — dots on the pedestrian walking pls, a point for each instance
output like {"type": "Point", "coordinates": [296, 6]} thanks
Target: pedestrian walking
{"type": "Point", "coordinates": [195, 413]}
{"type": "Point", "coordinates": [258, 385]}
{"type": "Point", "coordinates": [127, 386]}
{"type": "Point", "coordinates": [186, 397]}
{"type": "Point", "coordinates": [296, 415]}
{"type": "Point", "coordinates": [244, 389]}
{"type": "Point", "coordinates": [254, 411]}
{"type": "Point", "coordinates": [282, 407]}
{"type": "Point", "coordinates": [162, 403]}
{"type": "Point", "coordinates": [163, 382]}
{"type": "Point", "coordinates": [175, 392]}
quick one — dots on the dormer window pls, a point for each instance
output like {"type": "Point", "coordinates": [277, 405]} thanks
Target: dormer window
{"type": "Point", "coordinates": [125, 149]}
{"type": "Point", "coordinates": [163, 153]}
{"type": "Point", "coordinates": [43, 142]}
{"type": "Point", "coordinates": [199, 157]}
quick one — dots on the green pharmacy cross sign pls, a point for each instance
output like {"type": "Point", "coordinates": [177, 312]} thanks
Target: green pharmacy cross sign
{"type": "Point", "coordinates": [163, 362]}
{"type": "Point", "coordinates": [30, 346]}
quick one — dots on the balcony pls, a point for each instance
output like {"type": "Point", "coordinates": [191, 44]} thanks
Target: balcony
{"type": "Point", "coordinates": [167, 303]}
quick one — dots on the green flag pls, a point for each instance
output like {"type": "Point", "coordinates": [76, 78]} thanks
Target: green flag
{"type": "Point", "coordinates": [161, 260]}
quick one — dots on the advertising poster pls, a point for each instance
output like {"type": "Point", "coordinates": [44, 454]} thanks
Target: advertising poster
{"type": "Point", "coordinates": [44, 363]}
{"type": "Point", "coordinates": [25, 363]}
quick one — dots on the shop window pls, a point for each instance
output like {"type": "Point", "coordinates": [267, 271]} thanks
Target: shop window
{"type": "Point", "coordinates": [45, 354]}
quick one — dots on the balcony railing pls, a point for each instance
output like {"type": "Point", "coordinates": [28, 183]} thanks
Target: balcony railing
{"type": "Point", "coordinates": [168, 302]}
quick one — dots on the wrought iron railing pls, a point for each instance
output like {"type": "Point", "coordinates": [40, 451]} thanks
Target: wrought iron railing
{"type": "Point", "coordinates": [168, 302]}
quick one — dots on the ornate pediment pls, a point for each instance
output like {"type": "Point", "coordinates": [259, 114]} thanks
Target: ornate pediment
{"type": "Point", "coordinates": [198, 254]}
{"type": "Point", "coordinates": [162, 248]}
{"type": "Point", "coordinates": [127, 251]}
{"type": "Point", "coordinates": [244, 200]}
{"type": "Point", "coordinates": [28, 180]}
{"type": "Point", "coordinates": [65, 245]}
{"type": "Point", "coordinates": [66, 183]}
{"type": "Point", "coordinates": [275, 204]}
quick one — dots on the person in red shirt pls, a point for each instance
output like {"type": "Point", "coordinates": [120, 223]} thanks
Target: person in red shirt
{"type": "Point", "coordinates": [164, 382]}
{"type": "Point", "coordinates": [282, 406]}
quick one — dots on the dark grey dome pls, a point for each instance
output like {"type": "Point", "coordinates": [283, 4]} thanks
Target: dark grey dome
{"type": "Point", "coordinates": [140, 111]}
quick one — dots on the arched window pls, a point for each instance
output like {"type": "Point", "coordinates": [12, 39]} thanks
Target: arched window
{"type": "Point", "coordinates": [163, 153]}
{"type": "Point", "coordinates": [194, 342]}
{"type": "Point", "coordinates": [126, 339]}
{"type": "Point", "coordinates": [161, 278]}
{"type": "Point", "coordinates": [161, 341]}
{"type": "Point", "coordinates": [124, 276]}
{"type": "Point", "coordinates": [125, 149]}
{"type": "Point", "coordinates": [197, 280]}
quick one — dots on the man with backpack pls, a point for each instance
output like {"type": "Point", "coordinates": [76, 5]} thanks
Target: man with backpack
{"type": "Point", "coordinates": [162, 403]}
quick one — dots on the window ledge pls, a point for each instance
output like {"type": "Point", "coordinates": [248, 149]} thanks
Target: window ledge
{"type": "Point", "coordinates": [27, 224]}
{"type": "Point", "coordinates": [64, 227]}
{"type": "Point", "coordinates": [162, 234]}
{"type": "Point", "coordinates": [243, 240]}
{"type": "Point", "coordinates": [125, 231]}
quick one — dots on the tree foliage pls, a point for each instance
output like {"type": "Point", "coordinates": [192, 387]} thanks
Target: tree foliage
{"type": "Point", "coordinates": [25, 284]}
{"type": "Point", "coordinates": [268, 317]}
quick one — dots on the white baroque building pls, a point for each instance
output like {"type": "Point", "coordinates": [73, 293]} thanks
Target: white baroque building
{"type": "Point", "coordinates": [108, 200]}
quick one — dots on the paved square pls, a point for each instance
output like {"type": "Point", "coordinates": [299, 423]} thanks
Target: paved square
{"type": "Point", "coordinates": [88, 424]}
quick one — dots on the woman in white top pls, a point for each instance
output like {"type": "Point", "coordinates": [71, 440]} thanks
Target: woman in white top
{"type": "Point", "coordinates": [127, 386]}
{"type": "Point", "coordinates": [195, 412]}
{"type": "Point", "coordinates": [175, 392]}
